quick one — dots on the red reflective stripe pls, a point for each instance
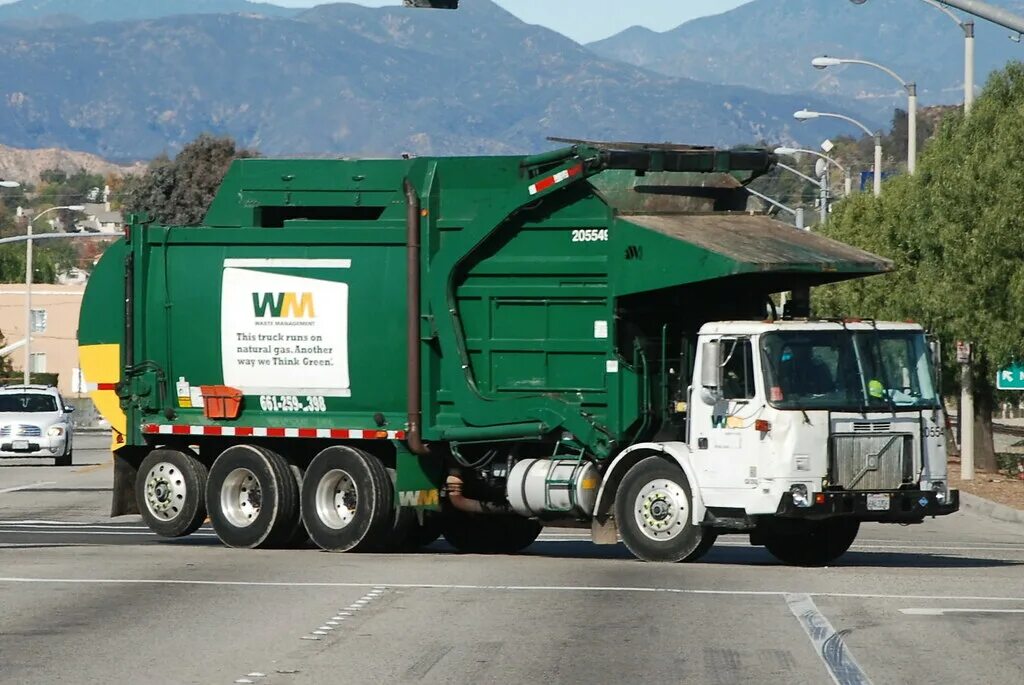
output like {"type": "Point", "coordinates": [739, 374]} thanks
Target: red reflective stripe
{"type": "Point", "coordinates": [272, 432]}
{"type": "Point", "coordinates": [106, 386]}
{"type": "Point", "coordinates": [544, 184]}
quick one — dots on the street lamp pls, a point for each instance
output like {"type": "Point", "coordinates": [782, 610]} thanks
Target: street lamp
{"type": "Point", "coordinates": [794, 151]}
{"type": "Point", "coordinates": [798, 212]}
{"type": "Point", "coordinates": [968, 28]}
{"type": "Point", "coordinates": [28, 286]}
{"type": "Point", "coordinates": [806, 115]}
{"type": "Point", "coordinates": [825, 62]}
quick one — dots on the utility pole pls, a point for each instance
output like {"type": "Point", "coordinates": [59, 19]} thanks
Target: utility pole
{"type": "Point", "coordinates": [965, 421]}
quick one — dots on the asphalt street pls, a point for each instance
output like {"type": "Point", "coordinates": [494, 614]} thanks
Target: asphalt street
{"type": "Point", "coordinates": [88, 599]}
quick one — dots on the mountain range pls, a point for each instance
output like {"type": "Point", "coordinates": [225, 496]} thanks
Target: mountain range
{"type": "Point", "coordinates": [128, 79]}
{"type": "Point", "coordinates": [344, 79]}
{"type": "Point", "coordinates": [769, 44]}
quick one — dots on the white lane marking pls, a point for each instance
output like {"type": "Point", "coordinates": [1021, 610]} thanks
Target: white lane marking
{"type": "Point", "coordinates": [892, 546]}
{"type": "Point", "coordinates": [47, 531]}
{"type": "Point", "coordinates": [509, 588]}
{"type": "Point", "coordinates": [19, 488]}
{"type": "Point", "coordinates": [256, 674]}
{"type": "Point", "coordinates": [829, 644]}
{"type": "Point", "coordinates": [941, 612]}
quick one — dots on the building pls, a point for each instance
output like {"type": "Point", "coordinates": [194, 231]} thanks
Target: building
{"type": "Point", "coordinates": [54, 330]}
{"type": "Point", "coordinates": [99, 218]}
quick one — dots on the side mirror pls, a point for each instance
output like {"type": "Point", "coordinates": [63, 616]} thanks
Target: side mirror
{"type": "Point", "coordinates": [711, 371]}
{"type": "Point", "coordinates": [68, 409]}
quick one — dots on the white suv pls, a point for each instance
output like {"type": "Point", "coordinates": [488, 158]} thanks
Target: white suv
{"type": "Point", "coordinates": [35, 422]}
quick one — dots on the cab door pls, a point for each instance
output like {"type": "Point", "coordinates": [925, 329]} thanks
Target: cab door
{"type": "Point", "coordinates": [723, 438]}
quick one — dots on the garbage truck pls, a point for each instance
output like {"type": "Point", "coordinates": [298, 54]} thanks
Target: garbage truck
{"type": "Point", "coordinates": [370, 354]}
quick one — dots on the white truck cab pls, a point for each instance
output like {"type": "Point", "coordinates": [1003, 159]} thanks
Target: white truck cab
{"type": "Point", "coordinates": [817, 416]}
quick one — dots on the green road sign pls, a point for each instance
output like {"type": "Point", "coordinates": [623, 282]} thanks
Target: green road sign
{"type": "Point", "coordinates": [1011, 378]}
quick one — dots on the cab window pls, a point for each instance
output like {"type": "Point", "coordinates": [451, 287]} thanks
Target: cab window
{"type": "Point", "coordinates": [738, 369]}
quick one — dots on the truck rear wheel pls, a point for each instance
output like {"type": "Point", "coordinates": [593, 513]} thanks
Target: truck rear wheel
{"type": "Point", "coordinates": [653, 510]}
{"type": "Point", "coordinates": [347, 501]}
{"type": "Point", "coordinates": [810, 543]}
{"type": "Point", "coordinates": [170, 489]}
{"type": "Point", "coordinates": [253, 498]}
{"type": "Point", "coordinates": [489, 534]}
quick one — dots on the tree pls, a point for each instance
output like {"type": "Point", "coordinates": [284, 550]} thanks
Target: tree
{"type": "Point", "coordinates": [179, 192]}
{"type": "Point", "coordinates": [956, 233]}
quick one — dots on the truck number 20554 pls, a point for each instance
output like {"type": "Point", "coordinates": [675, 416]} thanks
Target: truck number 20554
{"type": "Point", "coordinates": [590, 235]}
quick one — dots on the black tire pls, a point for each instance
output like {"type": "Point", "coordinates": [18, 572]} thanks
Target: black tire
{"type": "Point", "coordinates": [489, 534]}
{"type": "Point", "coordinates": [170, 490]}
{"type": "Point", "coordinates": [299, 537]}
{"type": "Point", "coordinates": [253, 498]}
{"type": "Point", "coordinates": [653, 508]}
{"type": "Point", "coordinates": [810, 543]}
{"type": "Point", "coordinates": [64, 459]}
{"type": "Point", "coordinates": [347, 501]}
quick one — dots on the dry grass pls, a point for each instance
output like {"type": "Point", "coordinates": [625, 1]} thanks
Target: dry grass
{"type": "Point", "coordinates": [996, 487]}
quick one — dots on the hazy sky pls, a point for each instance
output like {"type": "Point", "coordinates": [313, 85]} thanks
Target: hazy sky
{"type": "Point", "coordinates": [588, 20]}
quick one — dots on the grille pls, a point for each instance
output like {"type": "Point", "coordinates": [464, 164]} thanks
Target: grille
{"type": "Point", "coordinates": [872, 462]}
{"type": "Point", "coordinates": [871, 426]}
{"type": "Point", "coordinates": [22, 430]}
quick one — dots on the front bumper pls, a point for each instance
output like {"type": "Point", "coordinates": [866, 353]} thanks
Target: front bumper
{"type": "Point", "coordinates": [33, 447]}
{"type": "Point", "coordinates": [905, 506]}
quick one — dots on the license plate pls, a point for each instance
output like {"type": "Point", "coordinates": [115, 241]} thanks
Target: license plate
{"type": "Point", "coordinates": [19, 445]}
{"type": "Point", "coordinates": [878, 502]}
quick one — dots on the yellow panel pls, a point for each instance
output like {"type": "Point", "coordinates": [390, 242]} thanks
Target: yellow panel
{"type": "Point", "coordinates": [101, 365]}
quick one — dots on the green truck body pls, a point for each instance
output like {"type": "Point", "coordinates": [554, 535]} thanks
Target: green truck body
{"type": "Point", "coordinates": [434, 310]}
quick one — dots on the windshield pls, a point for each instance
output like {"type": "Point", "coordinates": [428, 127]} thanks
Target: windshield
{"type": "Point", "coordinates": [846, 370]}
{"type": "Point", "coordinates": [27, 402]}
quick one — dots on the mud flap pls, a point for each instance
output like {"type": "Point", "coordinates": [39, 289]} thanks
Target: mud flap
{"type": "Point", "coordinates": [126, 469]}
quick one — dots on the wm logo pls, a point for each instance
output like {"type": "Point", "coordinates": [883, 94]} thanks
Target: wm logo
{"type": "Point", "coordinates": [419, 498]}
{"type": "Point", "coordinates": [283, 305]}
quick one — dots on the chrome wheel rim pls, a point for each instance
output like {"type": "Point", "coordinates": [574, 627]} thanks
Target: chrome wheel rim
{"type": "Point", "coordinates": [661, 509]}
{"type": "Point", "coordinates": [336, 499]}
{"type": "Point", "coordinates": [241, 498]}
{"type": "Point", "coordinates": [165, 491]}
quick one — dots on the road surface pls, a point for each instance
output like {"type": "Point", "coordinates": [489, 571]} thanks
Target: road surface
{"type": "Point", "coordinates": [87, 599]}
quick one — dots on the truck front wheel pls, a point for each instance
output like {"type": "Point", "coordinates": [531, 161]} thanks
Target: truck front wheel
{"type": "Point", "coordinates": [810, 543]}
{"type": "Point", "coordinates": [653, 510]}
{"type": "Point", "coordinates": [170, 490]}
{"type": "Point", "coordinates": [347, 501]}
{"type": "Point", "coordinates": [253, 498]}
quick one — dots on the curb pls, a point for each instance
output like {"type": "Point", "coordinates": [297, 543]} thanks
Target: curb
{"type": "Point", "coordinates": [993, 510]}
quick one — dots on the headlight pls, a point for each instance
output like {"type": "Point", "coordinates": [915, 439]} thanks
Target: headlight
{"type": "Point", "coordinates": [55, 431]}
{"type": "Point", "coordinates": [799, 493]}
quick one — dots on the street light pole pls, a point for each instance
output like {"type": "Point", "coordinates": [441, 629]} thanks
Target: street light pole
{"type": "Point", "coordinates": [825, 62]}
{"type": "Point", "coordinates": [806, 115]}
{"type": "Point", "coordinates": [792, 151]}
{"type": "Point", "coordinates": [968, 27]}
{"type": "Point", "coordinates": [1004, 18]}
{"type": "Point", "coordinates": [822, 187]}
{"type": "Point", "coordinates": [798, 213]}
{"type": "Point", "coordinates": [28, 287]}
